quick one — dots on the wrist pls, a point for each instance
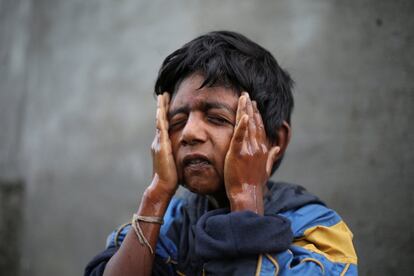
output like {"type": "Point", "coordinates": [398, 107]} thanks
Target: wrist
{"type": "Point", "coordinates": [155, 200]}
{"type": "Point", "coordinates": [157, 196]}
{"type": "Point", "coordinates": [250, 198]}
{"type": "Point", "coordinates": [160, 189]}
{"type": "Point", "coordinates": [152, 205]}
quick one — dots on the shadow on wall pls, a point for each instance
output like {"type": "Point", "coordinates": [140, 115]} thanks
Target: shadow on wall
{"type": "Point", "coordinates": [11, 210]}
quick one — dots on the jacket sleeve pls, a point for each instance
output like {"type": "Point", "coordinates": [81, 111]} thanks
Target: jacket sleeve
{"type": "Point", "coordinates": [165, 255]}
{"type": "Point", "coordinates": [96, 266]}
{"type": "Point", "coordinates": [322, 245]}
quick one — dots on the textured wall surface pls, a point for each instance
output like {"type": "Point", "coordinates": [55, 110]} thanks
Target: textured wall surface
{"type": "Point", "coordinates": [77, 113]}
{"type": "Point", "coordinates": [11, 208]}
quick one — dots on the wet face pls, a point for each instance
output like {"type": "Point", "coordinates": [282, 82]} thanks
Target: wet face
{"type": "Point", "coordinates": [201, 123]}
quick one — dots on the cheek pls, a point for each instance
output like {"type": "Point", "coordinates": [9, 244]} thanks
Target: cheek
{"type": "Point", "coordinates": [223, 143]}
{"type": "Point", "coordinates": [174, 144]}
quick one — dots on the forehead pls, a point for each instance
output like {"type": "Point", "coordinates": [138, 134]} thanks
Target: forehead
{"type": "Point", "coordinates": [189, 94]}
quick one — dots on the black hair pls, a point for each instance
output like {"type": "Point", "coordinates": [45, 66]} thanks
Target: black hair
{"type": "Point", "coordinates": [230, 59]}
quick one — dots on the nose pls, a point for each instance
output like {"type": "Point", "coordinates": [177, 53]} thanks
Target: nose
{"type": "Point", "coordinates": [194, 131]}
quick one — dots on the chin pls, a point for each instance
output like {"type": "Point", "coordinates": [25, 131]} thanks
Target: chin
{"type": "Point", "coordinates": [202, 186]}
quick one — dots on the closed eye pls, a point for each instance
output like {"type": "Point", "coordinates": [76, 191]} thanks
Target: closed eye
{"type": "Point", "coordinates": [177, 122]}
{"type": "Point", "coordinates": [219, 120]}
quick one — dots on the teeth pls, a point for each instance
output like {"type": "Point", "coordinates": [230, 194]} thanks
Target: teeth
{"type": "Point", "coordinates": [197, 161]}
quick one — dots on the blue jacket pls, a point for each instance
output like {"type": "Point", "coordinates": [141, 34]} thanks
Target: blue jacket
{"type": "Point", "coordinates": [298, 235]}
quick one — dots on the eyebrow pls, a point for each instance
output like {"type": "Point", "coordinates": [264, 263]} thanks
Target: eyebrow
{"type": "Point", "coordinates": [205, 106]}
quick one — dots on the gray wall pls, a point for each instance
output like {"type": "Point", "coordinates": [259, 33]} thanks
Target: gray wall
{"type": "Point", "coordinates": [77, 114]}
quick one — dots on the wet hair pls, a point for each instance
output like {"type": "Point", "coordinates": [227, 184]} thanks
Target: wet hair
{"type": "Point", "coordinates": [230, 59]}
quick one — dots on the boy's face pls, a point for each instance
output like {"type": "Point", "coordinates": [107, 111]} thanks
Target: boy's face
{"type": "Point", "coordinates": [201, 124]}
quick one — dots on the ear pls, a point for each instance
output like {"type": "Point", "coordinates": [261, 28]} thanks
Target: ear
{"type": "Point", "coordinates": [278, 149]}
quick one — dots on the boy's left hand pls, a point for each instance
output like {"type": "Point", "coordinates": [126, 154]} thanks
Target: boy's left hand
{"type": "Point", "coordinates": [249, 159]}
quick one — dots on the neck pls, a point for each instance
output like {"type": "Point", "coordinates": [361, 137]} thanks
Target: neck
{"type": "Point", "coordinates": [218, 200]}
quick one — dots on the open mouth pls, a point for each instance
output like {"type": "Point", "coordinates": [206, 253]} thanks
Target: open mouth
{"type": "Point", "coordinates": [195, 162]}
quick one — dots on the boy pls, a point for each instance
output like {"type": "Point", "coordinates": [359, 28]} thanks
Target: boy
{"type": "Point", "coordinates": [223, 125]}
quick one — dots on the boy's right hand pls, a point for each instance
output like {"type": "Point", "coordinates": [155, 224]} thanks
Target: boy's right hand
{"type": "Point", "coordinates": [164, 181]}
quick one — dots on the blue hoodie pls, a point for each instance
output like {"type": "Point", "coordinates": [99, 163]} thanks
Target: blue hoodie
{"type": "Point", "coordinates": [298, 235]}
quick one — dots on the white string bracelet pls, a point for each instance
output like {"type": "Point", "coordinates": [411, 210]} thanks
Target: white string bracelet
{"type": "Point", "coordinates": [138, 231]}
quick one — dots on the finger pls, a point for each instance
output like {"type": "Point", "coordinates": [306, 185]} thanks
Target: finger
{"type": "Point", "coordinates": [258, 117]}
{"type": "Point", "coordinates": [163, 119]}
{"type": "Point", "coordinates": [166, 103]}
{"type": "Point", "coordinates": [251, 125]}
{"type": "Point", "coordinates": [240, 108]}
{"type": "Point", "coordinates": [239, 134]}
{"type": "Point", "coordinates": [166, 98]}
{"type": "Point", "coordinates": [261, 133]}
{"type": "Point", "coordinates": [158, 113]}
{"type": "Point", "coordinates": [160, 124]}
{"type": "Point", "coordinates": [155, 146]}
{"type": "Point", "coordinates": [161, 114]}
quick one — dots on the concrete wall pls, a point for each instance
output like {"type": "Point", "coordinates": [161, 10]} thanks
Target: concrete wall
{"type": "Point", "coordinates": [77, 113]}
{"type": "Point", "coordinates": [13, 42]}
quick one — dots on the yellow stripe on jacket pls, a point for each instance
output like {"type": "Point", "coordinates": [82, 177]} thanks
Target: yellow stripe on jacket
{"type": "Point", "coordinates": [333, 242]}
